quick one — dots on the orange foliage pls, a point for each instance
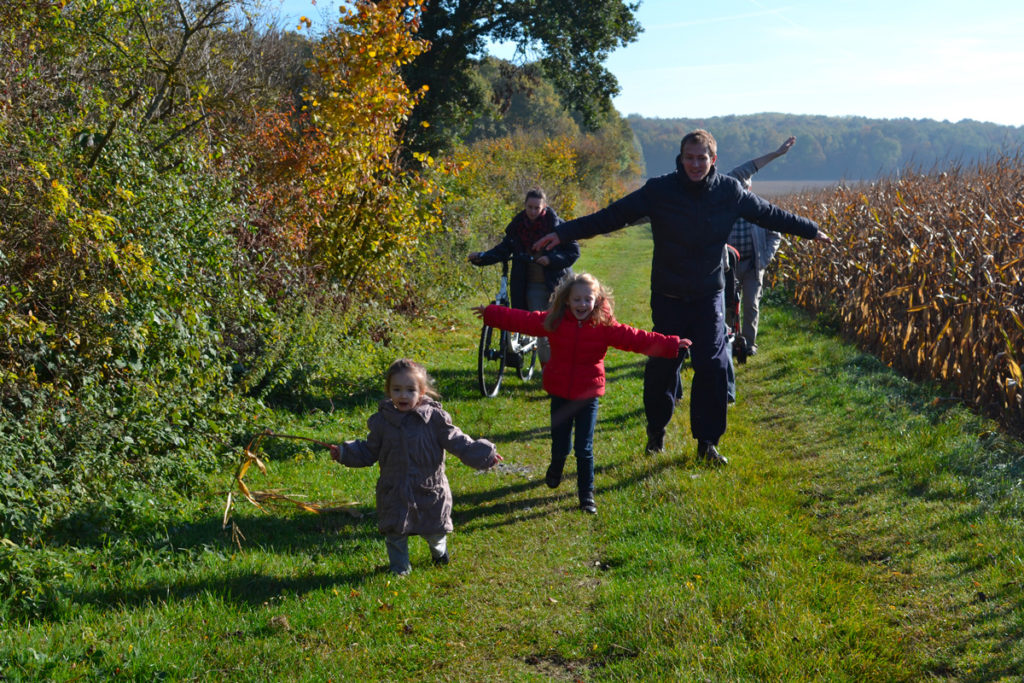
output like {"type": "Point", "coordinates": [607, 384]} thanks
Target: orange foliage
{"type": "Point", "coordinates": [372, 208]}
{"type": "Point", "coordinates": [331, 184]}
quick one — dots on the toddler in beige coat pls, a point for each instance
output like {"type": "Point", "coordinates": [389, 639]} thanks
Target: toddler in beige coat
{"type": "Point", "coordinates": [409, 435]}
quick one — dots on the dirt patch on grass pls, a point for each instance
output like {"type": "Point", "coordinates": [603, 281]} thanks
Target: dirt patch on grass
{"type": "Point", "coordinates": [557, 668]}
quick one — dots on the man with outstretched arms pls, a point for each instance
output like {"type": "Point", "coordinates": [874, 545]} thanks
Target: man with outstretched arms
{"type": "Point", "coordinates": [691, 212]}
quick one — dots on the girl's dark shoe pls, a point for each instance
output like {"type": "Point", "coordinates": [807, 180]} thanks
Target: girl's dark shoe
{"type": "Point", "coordinates": [588, 506]}
{"type": "Point", "coordinates": [443, 559]}
{"type": "Point", "coordinates": [552, 478]}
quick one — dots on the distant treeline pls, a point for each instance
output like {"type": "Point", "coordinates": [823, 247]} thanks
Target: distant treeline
{"type": "Point", "coordinates": [829, 147]}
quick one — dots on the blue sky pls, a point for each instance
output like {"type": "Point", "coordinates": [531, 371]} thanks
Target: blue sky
{"type": "Point", "coordinates": [939, 59]}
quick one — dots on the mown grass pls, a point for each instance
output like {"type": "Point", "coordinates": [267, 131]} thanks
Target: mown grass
{"type": "Point", "coordinates": [865, 529]}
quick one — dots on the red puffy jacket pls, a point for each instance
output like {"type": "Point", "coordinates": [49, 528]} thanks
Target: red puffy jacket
{"type": "Point", "coordinates": [578, 347]}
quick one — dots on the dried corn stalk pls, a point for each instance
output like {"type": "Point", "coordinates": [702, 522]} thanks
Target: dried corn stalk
{"type": "Point", "coordinates": [260, 498]}
{"type": "Point", "coordinates": [927, 272]}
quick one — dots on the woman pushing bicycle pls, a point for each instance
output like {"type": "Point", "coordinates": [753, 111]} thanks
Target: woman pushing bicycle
{"type": "Point", "coordinates": [534, 275]}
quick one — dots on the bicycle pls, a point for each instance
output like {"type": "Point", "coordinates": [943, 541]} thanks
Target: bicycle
{"type": "Point", "coordinates": [500, 348]}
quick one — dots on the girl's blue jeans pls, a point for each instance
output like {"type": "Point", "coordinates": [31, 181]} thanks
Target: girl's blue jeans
{"type": "Point", "coordinates": [566, 417]}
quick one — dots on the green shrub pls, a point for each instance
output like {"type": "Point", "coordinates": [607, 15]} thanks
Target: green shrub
{"type": "Point", "coordinates": [29, 581]}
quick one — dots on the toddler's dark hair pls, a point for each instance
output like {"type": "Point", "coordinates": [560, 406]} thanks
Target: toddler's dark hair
{"type": "Point", "coordinates": [423, 379]}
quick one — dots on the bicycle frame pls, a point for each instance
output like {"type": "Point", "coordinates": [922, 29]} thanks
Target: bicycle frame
{"type": "Point", "coordinates": [518, 343]}
{"type": "Point", "coordinates": [499, 348]}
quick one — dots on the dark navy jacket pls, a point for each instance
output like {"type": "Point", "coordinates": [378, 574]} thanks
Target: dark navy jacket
{"type": "Point", "coordinates": [690, 224]}
{"type": "Point", "coordinates": [561, 257]}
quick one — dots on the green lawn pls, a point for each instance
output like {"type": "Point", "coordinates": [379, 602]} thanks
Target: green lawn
{"type": "Point", "coordinates": [866, 529]}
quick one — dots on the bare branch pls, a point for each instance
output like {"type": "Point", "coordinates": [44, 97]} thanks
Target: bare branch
{"type": "Point", "coordinates": [182, 131]}
{"type": "Point", "coordinates": [103, 143]}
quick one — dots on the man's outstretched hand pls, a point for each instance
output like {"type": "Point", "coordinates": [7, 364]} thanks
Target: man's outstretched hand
{"type": "Point", "coordinates": [547, 242]}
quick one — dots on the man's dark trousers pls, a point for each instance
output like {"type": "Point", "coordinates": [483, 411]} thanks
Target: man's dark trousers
{"type": "Point", "coordinates": [700, 321]}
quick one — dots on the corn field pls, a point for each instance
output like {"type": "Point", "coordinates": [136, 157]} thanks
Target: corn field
{"type": "Point", "coordinates": [926, 271]}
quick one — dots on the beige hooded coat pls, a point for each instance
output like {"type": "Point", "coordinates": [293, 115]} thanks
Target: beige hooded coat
{"type": "Point", "coordinates": [413, 496]}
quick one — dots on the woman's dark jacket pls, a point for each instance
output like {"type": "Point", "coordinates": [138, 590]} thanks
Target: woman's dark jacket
{"type": "Point", "coordinates": [690, 224]}
{"type": "Point", "coordinates": [561, 257]}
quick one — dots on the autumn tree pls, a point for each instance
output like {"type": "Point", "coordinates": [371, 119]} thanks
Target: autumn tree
{"type": "Point", "coordinates": [121, 272]}
{"type": "Point", "coordinates": [518, 97]}
{"type": "Point", "coordinates": [368, 210]}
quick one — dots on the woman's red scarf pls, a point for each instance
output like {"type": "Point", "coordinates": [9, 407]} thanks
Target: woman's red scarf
{"type": "Point", "coordinates": [531, 231]}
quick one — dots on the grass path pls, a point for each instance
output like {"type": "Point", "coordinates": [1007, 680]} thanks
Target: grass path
{"type": "Point", "coordinates": [865, 529]}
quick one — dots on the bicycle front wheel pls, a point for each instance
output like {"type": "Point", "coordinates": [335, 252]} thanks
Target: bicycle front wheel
{"type": "Point", "coordinates": [491, 360]}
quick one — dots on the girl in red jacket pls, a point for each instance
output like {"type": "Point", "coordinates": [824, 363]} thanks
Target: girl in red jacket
{"type": "Point", "coordinates": [580, 326]}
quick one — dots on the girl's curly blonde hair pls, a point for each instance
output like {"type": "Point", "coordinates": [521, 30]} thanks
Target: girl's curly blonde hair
{"type": "Point", "coordinates": [604, 304]}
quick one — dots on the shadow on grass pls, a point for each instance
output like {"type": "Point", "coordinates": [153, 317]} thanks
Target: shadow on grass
{"type": "Point", "coordinates": [507, 501]}
{"type": "Point", "coordinates": [462, 384]}
{"type": "Point", "coordinates": [620, 420]}
{"type": "Point", "coordinates": [989, 615]}
{"type": "Point", "coordinates": [451, 384]}
{"type": "Point", "coordinates": [458, 384]}
{"type": "Point", "coordinates": [619, 371]}
{"type": "Point", "coordinates": [1001, 626]}
{"type": "Point", "coordinates": [299, 533]}
{"type": "Point", "coordinates": [307, 534]}
{"type": "Point", "coordinates": [242, 588]}
{"type": "Point", "coordinates": [966, 475]}
{"type": "Point", "coordinates": [100, 527]}
{"type": "Point", "coordinates": [366, 392]}
{"type": "Point", "coordinates": [615, 421]}
{"type": "Point", "coordinates": [504, 439]}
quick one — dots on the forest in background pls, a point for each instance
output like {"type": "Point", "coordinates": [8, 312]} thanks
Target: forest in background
{"type": "Point", "coordinates": [830, 147]}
